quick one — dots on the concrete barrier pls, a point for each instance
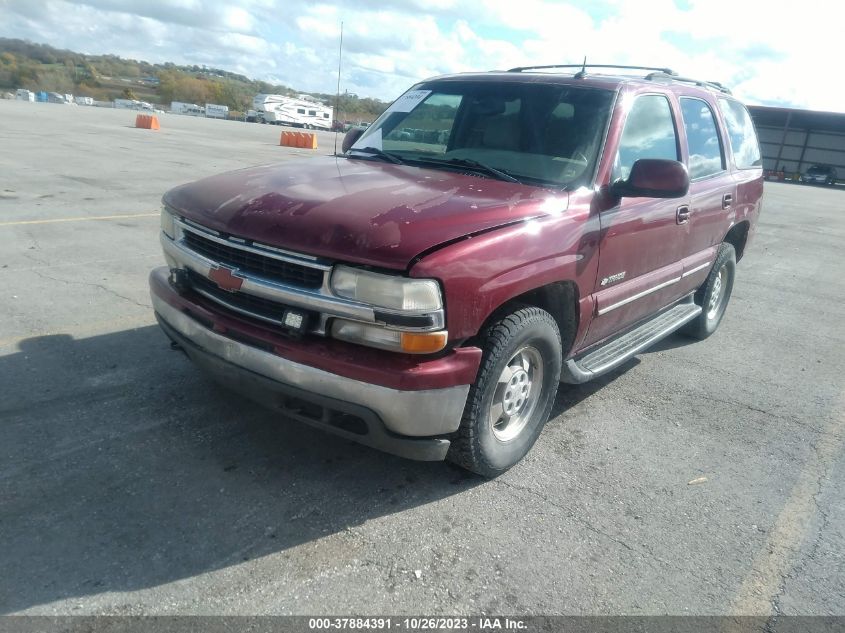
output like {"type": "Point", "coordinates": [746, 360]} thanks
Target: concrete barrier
{"type": "Point", "coordinates": [305, 140]}
{"type": "Point", "coordinates": [147, 121]}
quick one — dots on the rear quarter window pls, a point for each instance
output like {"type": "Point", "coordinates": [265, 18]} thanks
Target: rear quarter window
{"type": "Point", "coordinates": [741, 134]}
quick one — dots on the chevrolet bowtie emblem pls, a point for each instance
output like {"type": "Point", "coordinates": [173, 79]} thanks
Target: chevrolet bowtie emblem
{"type": "Point", "coordinates": [225, 278]}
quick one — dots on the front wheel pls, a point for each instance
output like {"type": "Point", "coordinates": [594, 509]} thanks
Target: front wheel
{"type": "Point", "coordinates": [510, 402]}
{"type": "Point", "coordinates": [714, 294]}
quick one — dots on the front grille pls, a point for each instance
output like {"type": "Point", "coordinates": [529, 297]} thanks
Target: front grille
{"type": "Point", "coordinates": [261, 308]}
{"type": "Point", "coordinates": [247, 261]}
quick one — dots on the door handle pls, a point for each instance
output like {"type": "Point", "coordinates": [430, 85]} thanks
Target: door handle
{"type": "Point", "coordinates": [682, 214]}
{"type": "Point", "coordinates": [727, 200]}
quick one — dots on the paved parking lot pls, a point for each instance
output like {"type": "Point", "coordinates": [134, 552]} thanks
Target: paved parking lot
{"type": "Point", "coordinates": [131, 484]}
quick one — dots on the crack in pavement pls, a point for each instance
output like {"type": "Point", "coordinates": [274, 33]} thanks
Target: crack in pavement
{"type": "Point", "coordinates": [781, 554]}
{"type": "Point", "coordinates": [801, 562]}
{"type": "Point", "coordinates": [114, 293]}
{"type": "Point", "coordinates": [47, 265]}
{"type": "Point", "coordinates": [568, 513]}
{"type": "Point", "coordinates": [785, 418]}
{"type": "Point", "coordinates": [641, 549]}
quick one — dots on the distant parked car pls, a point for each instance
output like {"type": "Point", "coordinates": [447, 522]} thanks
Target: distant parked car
{"type": "Point", "coordinates": [820, 175]}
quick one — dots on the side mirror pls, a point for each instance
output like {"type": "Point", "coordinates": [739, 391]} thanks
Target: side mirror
{"type": "Point", "coordinates": [653, 178]}
{"type": "Point", "coordinates": [350, 137]}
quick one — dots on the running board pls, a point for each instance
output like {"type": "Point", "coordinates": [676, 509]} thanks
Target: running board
{"type": "Point", "coordinates": [616, 351]}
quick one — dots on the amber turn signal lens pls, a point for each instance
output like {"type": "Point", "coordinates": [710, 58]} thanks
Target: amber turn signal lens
{"type": "Point", "coordinates": [423, 342]}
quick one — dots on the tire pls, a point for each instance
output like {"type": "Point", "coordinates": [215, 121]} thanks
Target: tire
{"type": "Point", "coordinates": [521, 352]}
{"type": "Point", "coordinates": [714, 294]}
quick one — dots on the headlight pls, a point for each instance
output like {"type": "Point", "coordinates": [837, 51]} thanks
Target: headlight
{"type": "Point", "coordinates": [386, 291]}
{"type": "Point", "coordinates": [168, 225]}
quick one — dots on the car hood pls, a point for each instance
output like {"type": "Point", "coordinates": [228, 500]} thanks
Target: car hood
{"type": "Point", "coordinates": [360, 211]}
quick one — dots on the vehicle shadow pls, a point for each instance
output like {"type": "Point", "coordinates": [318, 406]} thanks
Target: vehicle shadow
{"type": "Point", "coordinates": [124, 468]}
{"type": "Point", "coordinates": [568, 396]}
{"type": "Point", "coordinates": [673, 341]}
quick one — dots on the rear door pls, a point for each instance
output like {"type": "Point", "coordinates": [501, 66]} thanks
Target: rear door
{"type": "Point", "coordinates": [712, 190]}
{"type": "Point", "coordinates": [642, 245]}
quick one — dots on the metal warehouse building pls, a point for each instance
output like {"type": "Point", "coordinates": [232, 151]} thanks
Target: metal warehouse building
{"type": "Point", "coordinates": [794, 140]}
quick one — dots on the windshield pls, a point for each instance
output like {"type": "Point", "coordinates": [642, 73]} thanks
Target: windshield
{"type": "Point", "coordinates": [536, 133]}
{"type": "Point", "coordinates": [818, 169]}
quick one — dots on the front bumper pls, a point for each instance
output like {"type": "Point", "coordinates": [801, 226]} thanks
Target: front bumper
{"type": "Point", "coordinates": [403, 422]}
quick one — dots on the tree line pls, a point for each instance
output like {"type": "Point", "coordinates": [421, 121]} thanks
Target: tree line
{"type": "Point", "coordinates": [40, 67]}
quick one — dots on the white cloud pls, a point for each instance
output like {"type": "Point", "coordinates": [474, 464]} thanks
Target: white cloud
{"type": "Point", "coordinates": [239, 20]}
{"type": "Point", "coordinates": [765, 54]}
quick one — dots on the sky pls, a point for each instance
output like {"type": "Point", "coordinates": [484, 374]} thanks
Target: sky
{"type": "Point", "coordinates": [768, 53]}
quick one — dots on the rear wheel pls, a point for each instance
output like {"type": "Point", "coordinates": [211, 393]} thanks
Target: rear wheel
{"type": "Point", "coordinates": [714, 294]}
{"type": "Point", "coordinates": [513, 395]}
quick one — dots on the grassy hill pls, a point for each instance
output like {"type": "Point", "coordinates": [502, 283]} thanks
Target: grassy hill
{"type": "Point", "coordinates": [37, 67]}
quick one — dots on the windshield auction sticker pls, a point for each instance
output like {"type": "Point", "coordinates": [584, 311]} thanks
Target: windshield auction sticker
{"type": "Point", "coordinates": [409, 101]}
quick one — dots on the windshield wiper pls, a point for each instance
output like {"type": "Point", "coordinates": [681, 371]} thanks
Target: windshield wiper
{"type": "Point", "coordinates": [392, 158]}
{"type": "Point", "coordinates": [475, 165]}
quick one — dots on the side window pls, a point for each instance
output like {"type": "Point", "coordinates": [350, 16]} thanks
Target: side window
{"type": "Point", "coordinates": [649, 133]}
{"type": "Point", "coordinates": [741, 133]}
{"type": "Point", "coordinates": [705, 151]}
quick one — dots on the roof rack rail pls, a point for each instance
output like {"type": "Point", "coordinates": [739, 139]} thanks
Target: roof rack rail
{"type": "Point", "coordinates": [666, 74]}
{"type": "Point", "coordinates": [687, 80]}
{"type": "Point", "coordinates": [583, 67]}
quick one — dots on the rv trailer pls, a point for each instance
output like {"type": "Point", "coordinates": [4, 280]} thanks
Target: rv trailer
{"type": "Point", "coordinates": [302, 111]}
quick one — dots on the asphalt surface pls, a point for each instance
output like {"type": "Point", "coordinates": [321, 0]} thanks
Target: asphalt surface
{"type": "Point", "coordinates": [130, 484]}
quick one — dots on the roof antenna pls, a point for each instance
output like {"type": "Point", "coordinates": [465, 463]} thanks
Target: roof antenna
{"type": "Point", "coordinates": [337, 94]}
{"type": "Point", "coordinates": [583, 72]}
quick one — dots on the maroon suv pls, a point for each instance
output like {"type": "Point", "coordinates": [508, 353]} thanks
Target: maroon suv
{"type": "Point", "coordinates": [488, 237]}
